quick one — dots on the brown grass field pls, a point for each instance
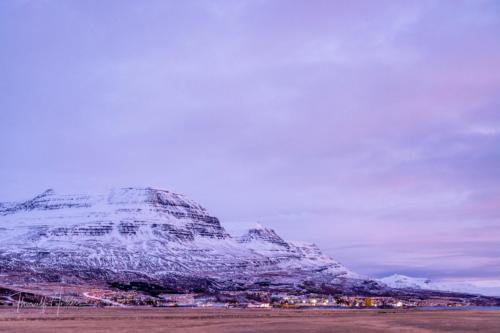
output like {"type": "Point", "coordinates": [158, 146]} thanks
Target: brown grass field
{"type": "Point", "coordinates": [245, 320]}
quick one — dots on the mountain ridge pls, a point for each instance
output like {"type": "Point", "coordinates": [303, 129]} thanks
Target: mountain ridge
{"type": "Point", "coordinates": [399, 281]}
{"type": "Point", "coordinates": [156, 235]}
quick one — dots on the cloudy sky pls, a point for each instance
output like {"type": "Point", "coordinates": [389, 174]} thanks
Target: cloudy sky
{"type": "Point", "coordinates": [371, 128]}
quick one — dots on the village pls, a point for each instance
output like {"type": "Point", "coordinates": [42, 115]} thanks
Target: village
{"type": "Point", "coordinates": [67, 295]}
{"type": "Point", "coordinates": [247, 299]}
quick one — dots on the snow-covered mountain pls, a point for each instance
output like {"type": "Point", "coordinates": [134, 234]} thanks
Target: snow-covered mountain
{"type": "Point", "coordinates": [399, 281]}
{"type": "Point", "coordinates": [145, 234]}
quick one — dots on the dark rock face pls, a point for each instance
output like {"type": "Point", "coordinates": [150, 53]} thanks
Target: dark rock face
{"type": "Point", "coordinates": [87, 230]}
{"type": "Point", "coordinates": [154, 236]}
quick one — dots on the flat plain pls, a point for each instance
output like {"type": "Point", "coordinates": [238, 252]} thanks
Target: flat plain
{"type": "Point", "coordinates": [245, 320]}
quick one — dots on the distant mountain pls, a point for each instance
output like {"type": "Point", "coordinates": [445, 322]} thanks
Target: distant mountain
{"type": "Point", "coordinates": [398, 281]}
{"type": "Point", "coordinates": [156, 236]}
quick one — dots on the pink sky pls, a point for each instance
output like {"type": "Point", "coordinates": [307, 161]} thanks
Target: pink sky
{"type": "Point", "coordinates": [369, 127]}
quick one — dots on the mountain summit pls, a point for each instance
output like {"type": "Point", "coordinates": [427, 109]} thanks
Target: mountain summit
{"type": "Point", "coordinates": [156, 236]}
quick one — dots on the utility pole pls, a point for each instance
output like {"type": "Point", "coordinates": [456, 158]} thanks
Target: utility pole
{"type": "Point", "coordinates": [43, 304]}
{"type": "Point", "coordinates": [60, 298]}
{"type": "Point", "coordinates": [19, 302]}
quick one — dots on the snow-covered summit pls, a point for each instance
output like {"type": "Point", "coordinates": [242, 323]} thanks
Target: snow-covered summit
{"type": "Point", "coordinates": [403, 281]}
{"type": "Point", "coordinates": [399, 281]}
{"type": "Point", "coordinates": [124, 208]}
{"type": "Point", "coordinates": [263, 234]}
{"type": "Point", "coordinates": [137, 197]}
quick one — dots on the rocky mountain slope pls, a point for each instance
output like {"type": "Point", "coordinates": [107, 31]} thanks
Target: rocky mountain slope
{"type": "Point", "coordinates": [156, 236]}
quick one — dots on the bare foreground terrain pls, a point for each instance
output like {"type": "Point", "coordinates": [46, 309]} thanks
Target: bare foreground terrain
{"type": "Point", "coordinates": [245, 320]}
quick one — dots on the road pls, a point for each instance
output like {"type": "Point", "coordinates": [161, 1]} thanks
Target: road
{"type": "Point", "coordinates": [104, 300]}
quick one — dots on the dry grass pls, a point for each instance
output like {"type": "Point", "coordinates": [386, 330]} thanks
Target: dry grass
{"type": "Point", "coordinates": [251, 320]}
